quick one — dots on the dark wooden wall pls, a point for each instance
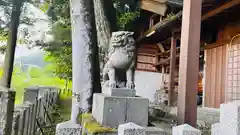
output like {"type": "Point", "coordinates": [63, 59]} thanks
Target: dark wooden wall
{"type": "Point", "coordinates": [146, 57]}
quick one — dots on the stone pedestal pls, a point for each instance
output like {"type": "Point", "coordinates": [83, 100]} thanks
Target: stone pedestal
{"type": "Point", "coordinates": [68, 128]}
{"type": "Point", "coordinates": [185, 130]}
{"type": "Point", "coordinates": [111, 111]}
{"type": "Point", "coordinates": [120, 92]}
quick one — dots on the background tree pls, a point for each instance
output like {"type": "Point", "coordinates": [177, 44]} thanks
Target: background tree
{"type": "Point", "coordinates": [11, 44]}
{"type": "Point", "coordinates": [110, 15]}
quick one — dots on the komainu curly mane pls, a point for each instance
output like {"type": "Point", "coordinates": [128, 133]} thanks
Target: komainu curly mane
{"type": "Point", "coordinates": [119, 70]}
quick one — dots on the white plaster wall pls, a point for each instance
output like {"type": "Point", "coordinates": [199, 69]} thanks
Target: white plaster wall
{"type": "Point", "coordinates": [147, 83]}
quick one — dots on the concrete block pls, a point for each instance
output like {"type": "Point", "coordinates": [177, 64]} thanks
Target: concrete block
{"type": "Point", "coordinates": [30, 94]}
{"type": "Point", "coordinates": [111, 111]}
{"type": "Point", "coordinates": [15, 123]}
{"type": "Point", "coordinates": [30, 117]}
{"type": "Point", "coordinates": [230, 118]}
{"type": "Point", "coordinates": [215, 129]}
{"type": "Point", "coordinates": [130, 129]}
{"type": "Point", "coordinates": [119, 92]}
{"type": "Point", "coordinates": [185, 129]}
{"type": "Point", "coordinates": [34, 116]}
{"type": "Point", "coordinates": [208, 115]}
{"type": "Point", "coordinates": [68, 128]}
{"type": "Point", "coordinates": [26, 119]}
{"type": "Point", "coordinates": [22, 119]}
{"type": "Point", "coordinates": [137, 110]}
{"type": "Point", "coordinates": [154, 131]}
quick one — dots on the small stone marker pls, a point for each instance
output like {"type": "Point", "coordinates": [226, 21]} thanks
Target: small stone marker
{"type": "Point", "coordinates": [134, 129]}
{"type": "Point", "coordinates": [68, 128]}
{"type": "Point", "coordinates": [130, 129]}
{"type": "Point", "coordinates": [185, 129]}
{"type": "Point", "coordinates": [229, 118]}
{"type": "Point", "coordinates": [215, 129]}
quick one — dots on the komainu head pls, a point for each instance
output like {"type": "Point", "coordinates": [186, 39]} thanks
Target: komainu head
{"type": "Point", "coordinates": [122, 38]}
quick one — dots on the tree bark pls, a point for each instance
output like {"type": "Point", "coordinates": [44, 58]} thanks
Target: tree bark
{"type": "Point", "coordinates": [84, 50]}
{"type": "Point", "coordinates": [11, 44]}
{"type": "Point", "coordinates": [105, 16]}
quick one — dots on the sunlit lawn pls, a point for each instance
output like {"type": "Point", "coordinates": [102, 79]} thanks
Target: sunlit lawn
{"type": "Point", "coordinates": [21, 81]}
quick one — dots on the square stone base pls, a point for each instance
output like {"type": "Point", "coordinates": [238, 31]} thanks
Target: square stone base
{"type": "Point", "coordinates": [119, 92]}
{"type": "Point", "coordinates": [111, 111]}
{"type": "Point", "coordinates": [68, 128]}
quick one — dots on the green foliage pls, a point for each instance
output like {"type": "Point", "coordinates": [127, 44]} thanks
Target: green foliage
{"type": "Point", "coordinates": [35, 72]}
{"type": "Point", "coordinates": [60, 50]}
{"type": "Point", "coordinates": [44, 7]}
{"type": "Point", "coordinates": [21, 80]}
{"type": "Point", "coordinates": [124, 20]}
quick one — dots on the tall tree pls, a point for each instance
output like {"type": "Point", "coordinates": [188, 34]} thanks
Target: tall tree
{"type": "Point", "coordinates": [105, 17]}
{"type": "Point", "coordinates": [84, 44]}
{"type": "Point", "coordinates": [11, 43]}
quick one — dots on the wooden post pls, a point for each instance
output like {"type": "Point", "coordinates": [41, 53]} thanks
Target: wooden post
{"type": "Point", "coordinates": [189, 62]}
{"type": "Point", "coordinates": [172, 70]}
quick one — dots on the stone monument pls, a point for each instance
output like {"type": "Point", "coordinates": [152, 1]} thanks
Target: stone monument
{"type": "Point", "coordinates": [118, 104]}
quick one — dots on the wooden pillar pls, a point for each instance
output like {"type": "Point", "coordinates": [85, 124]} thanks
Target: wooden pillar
{"type": "Point", "coordinates": [189, 61]}
{"type": "Point", "coordinates": [172, 70]}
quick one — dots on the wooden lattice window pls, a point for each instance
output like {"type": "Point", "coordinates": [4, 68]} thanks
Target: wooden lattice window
{"type": "Point", "coordinates": [233, 73]}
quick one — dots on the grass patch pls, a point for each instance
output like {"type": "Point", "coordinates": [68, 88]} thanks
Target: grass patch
{"type": "Point", "coordinates": [40, 77]}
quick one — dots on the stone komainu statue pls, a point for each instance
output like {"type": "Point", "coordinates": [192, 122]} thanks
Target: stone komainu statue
{"type": "Point", "coordinates": [118, 72]}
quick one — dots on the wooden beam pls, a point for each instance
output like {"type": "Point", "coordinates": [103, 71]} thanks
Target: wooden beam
{"type": "Point", "coordinates": [165, 61]}
{"type": "Point", "coordinates": [217, 44]}
{"type": "Point", "coordinates": [160, 46]}
{"type": "Point", "coordinates": [221, 9]}
{"type": "Point", "coordinates": [161, 1]}
{"type": "Point", "coordinates": [160, 25]}
{"type": "Point", "coordinates": [167, 52]}
{"type": "Point", "coordinates": [189, 62]}
{"type": "Point", "coordinates": [172, 70]}
{"type": "Point", "coordinates": [154, 6]}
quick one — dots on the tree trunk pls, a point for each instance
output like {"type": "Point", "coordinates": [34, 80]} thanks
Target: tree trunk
{"type": "Point", "coordinates": [84, 50]}
{"type": "Point", "coordinates": [105, 16]}
{"type": "Point", "coordinates": [11, 44]}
